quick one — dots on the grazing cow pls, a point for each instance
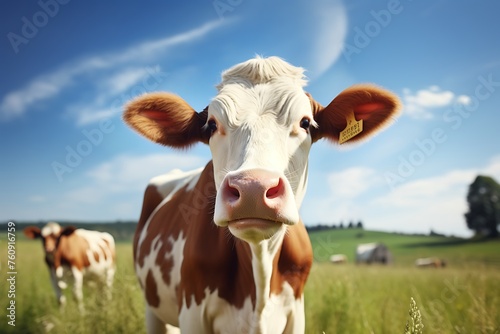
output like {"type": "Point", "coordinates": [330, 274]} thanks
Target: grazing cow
{"type": "Point", "coordinates": [77, 252]}
{"type": "Point", "coordinates": [430, 262]}
{"type": "Point", "coordinates": [338, 258]}
{"type": "Point", "coordinates": [222, 249]}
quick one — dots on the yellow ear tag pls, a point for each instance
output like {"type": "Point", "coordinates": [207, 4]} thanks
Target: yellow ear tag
{"type": "Point", "coordinates": [352, 129]}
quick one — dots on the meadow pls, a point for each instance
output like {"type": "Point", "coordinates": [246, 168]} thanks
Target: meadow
{"type": "Point", "coordinates": [464, 297]}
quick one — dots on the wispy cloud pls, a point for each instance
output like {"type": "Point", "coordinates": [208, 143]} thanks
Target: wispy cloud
{"type": "Point", "coordinates": [352, 182]}
{"type": "Point", "coordinates": [16, 103]}
{"type": "Point", "coordinates": [120, 182]}
{"type": "Point", "coordinates": [437, 202]}
{"type": "Point", "coordinates": [115, 91]}
{"type": "Point", "coordinates": [418, 105]}
{"type": "Point", "coordinates": [329, 35]}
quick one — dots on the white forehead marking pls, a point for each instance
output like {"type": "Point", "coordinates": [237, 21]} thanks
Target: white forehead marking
{"type": "Point", "coordinates": [258, 87]}
{"type": "Point", "coordinates": [263, 70]}
{"type": "Point", "coordinates": [51, 228]}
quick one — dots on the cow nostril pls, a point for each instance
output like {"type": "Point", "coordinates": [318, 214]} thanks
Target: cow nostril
{"type": "Point", "coordinates": [233, 191]}
{"type": "Point", "coordinates": [275, 191]}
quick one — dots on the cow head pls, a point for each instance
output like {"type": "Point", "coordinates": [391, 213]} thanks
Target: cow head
{"type": "Point", "coordinates": [50, 234]}
{"type": "Point", "coordinates": [260, 127]}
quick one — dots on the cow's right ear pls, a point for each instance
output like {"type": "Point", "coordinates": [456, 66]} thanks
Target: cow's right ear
{"type": "Point", "coordinates": [166, 119]}
{"type": "Point", "coordinates": [32, 232]}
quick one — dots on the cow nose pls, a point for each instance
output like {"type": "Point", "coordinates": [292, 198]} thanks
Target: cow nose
{"type": "Point", "coordinates": [254, 192]}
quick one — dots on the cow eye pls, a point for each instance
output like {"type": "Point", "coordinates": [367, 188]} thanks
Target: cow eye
{"type": "Point", "coordinates": [212, 126]}
{"type": "Point", "coordinates": [305, 123]}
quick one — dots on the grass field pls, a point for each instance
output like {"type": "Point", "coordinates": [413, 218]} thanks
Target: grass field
{"type": "Point", "coordinates": [461, 298]}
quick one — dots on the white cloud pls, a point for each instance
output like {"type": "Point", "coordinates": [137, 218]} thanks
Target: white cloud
{"type": "Point", "coordinates": [47, 86]}
{"type": "Point", "coordinates": [351, 182]}
{"type": "Point", "coordinates": [330, 31]}
{"type": "Point", "coordinates": [114, 189]}
{"type": "Point", "coordinates": [419, 104]}
{"type": "Point", "coordinates": [342, 201]}
{"type": "Point", "coordinates": [126, 174]}
{"type": "Point", "coordinates": [123, 80]}
{"type": "Point", "coordinates": [437, 202]}
{"type": "Point", "coordinates": [115, 91]}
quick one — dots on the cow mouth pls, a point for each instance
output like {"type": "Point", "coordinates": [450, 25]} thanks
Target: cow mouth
{"type": "Point", "coordinates": [256, 223]}
{"type": "Point", "coordinates": [254, 229]}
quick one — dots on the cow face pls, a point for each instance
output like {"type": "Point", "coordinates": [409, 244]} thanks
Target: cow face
{"type": "Point", "coordinates": [50, 235]}
{"type": "Point", "coordinates": [259, 127]}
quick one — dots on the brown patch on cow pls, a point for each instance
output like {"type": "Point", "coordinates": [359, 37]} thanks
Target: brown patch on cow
{"type": "Point", "coordinates": [293, 262]}
{"type": "Point", "coordinates": [151, 290]}
{"type": "Point", "coordinates": [72, 251]}
{"type": "Point", "coordinates": [152, 198]}
{"type": "Point", "coordinates": [165, 223]}
{"type": "Point", "coordinates": [96, 256]}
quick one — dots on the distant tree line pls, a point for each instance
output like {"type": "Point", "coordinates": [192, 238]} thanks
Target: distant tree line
{"type": "Point", "coordinates": [324, 227]}
{"type": "Point", "coordinates": [120, 230]}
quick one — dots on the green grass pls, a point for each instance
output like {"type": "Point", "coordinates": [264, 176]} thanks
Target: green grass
{"type": "Point", "coordinates": [406, 248]}
{"type": "Point", "coordinates": [37, 309]}
{"type": "Point", "coordinates": [461, 298]}
{"type": "Point", "coordinates": [375, 299]}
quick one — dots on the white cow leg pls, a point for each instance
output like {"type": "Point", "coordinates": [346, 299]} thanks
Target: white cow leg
{"type": "Point", "coordinates": [110, 274]}
{"type": "Point", "coordinates": [57, 289]}
{"type": "Point", "coordinates": [77, 288]}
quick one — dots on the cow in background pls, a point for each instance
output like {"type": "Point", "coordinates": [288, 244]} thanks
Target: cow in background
{"type": "Point", "coordinates": [78, 253]}
{"type": "Point", "coordinates": [430, 262]}
{"type": "Point", "coordinates": [338, 258]}
{"type": "Point", "coordinates": [222, 249]}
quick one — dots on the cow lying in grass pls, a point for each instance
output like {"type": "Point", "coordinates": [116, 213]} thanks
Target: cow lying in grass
{"type": "Point", "coordinates": [222, 249]}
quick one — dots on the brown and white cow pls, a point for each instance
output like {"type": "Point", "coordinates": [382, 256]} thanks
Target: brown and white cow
{"type": "Point", "coordinates": [77, 253]}
{"type": "Point", "coordinates": [430, 262]}
{"type": "Point", "coordinates": [222, 249]}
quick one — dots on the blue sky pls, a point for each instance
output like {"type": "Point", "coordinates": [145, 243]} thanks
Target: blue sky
{"type": "Point", "coordinates": [67, 68]}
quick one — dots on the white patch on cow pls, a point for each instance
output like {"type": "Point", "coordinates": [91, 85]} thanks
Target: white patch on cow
{"type": "Point", "coordinates": [167, 310]}
{"type": "Point", "coordinates": [51, 228]}
{"type": "Point", "coordinates": [168, 183]}
{"type": "Point", "coordinates": [59, 272]}
{"type": "Point", "coordinates": [216, 315]}
{"type": "Point", "coordinates": [102, 244]}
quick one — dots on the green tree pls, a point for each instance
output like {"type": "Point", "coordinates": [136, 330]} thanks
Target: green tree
{"type": "Point", "coordinates": [484, 206]}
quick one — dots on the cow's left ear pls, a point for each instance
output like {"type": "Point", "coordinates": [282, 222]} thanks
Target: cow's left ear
{"type": "Point", "coordinates": [32, 232]}
{"type": "Point", "coordinates": [68, 230]}
{"type": "Point", "coordinates": [375, 106]}
{"type": "Point", "coordinates": [166, 119]}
